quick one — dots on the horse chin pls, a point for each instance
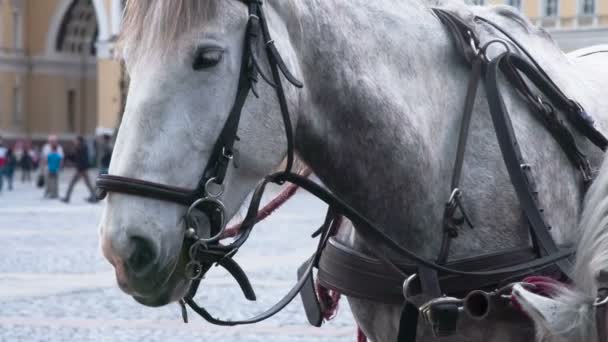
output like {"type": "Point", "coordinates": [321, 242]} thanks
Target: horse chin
{"type": "Point", "coordinates": [171, 288]}
{"type": "Point", "coordinates": [169, 295]}
{"type": "Point", "coordinates": [175, 288]}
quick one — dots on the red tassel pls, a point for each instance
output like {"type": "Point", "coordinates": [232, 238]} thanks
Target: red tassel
{"type": "Point", "coordinates": [329, 301]}
{"type": "Point", "coordinates": [361, 335]}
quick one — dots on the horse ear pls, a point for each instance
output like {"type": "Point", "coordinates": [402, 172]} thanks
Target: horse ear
{"type": "Point", "coordinates": [545, 312]}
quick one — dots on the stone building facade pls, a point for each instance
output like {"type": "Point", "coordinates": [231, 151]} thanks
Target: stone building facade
{"type": "Point", "coordinates": [573, 24]}
{"type": "Point", "coordinates": [57, 71]}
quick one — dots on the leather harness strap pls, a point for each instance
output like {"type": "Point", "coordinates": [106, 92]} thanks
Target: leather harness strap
{"type": "Point", "coordinates": [359, 275]}
{"type": "Point", "coordinates": [601, 314]}
{"type": "Point", "coordinates": [575, 113]}
{"type": "Point", "coordinates": [516, 165]}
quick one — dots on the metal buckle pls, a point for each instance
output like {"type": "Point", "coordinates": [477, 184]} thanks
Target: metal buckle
{"type": "Point", "coordinates": [473, 43]}
{"type": "Point", "coordinates": [227, 155]}
{"type": "Point", "coordinates": [406, 285]}
{"type": "Point", "coordinates": [442, 325]}
{"type": "Point", "coordinates": [602, 298]}
{"type": "Point", "coordinates": [456, 194]}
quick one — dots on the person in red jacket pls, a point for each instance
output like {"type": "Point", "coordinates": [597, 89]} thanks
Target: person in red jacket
{"type": "Point", "coordinates": [3, 161]}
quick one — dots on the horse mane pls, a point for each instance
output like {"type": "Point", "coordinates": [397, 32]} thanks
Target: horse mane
{"type": "Point", "coordinates": [592, 257]}
{"type": "Point", "coordinates": [575, 316]}
{"type": "Point", "coordinates": [503, 15]}
{"type": "Point", "coordinates": [512, 15]}
{"type": "Point", "coordinates": [153, 26]}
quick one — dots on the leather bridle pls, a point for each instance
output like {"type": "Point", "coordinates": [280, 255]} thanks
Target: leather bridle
{"type": "Point", "coordinates": [207, 251]}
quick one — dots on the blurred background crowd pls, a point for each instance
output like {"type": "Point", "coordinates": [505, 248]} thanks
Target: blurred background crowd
{"type": "Point", "coordinates": [23, 163]}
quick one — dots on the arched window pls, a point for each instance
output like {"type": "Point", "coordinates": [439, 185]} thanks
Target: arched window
{"type": "Point", "coordinates": [78, 31]}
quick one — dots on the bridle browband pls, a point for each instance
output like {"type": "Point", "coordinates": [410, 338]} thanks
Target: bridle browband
{"type": "Point", "coordinates": [205, 252]}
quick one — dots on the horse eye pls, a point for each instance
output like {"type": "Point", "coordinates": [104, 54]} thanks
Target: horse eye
{"type": "Point", "coordinates": [205, 58]}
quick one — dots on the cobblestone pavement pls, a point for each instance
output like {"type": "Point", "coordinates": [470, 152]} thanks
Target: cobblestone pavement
{"type": "Point", "coordinates": [56, 286]}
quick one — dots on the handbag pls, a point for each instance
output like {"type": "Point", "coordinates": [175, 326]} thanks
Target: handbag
{"type": "Point", "coordinates": [40, 181]}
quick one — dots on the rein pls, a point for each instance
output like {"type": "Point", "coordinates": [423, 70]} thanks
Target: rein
{"type": "Point", "coordinates": [420, 276]}
{"type": "Point", "coordinates": [269, 208]}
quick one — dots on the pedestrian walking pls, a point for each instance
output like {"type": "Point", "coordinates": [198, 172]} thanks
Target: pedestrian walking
{"type": "Point", "coordinates": [81, 159]}
{"type": "Point", "coordinates": [52, 143]}
{"type": "Point", "coordinates": [9, 167]}
{"type": "Point", "coordinates": [3, 151]}
{"type": "Point", "coordinates": [105, 154]}
{"type": "Point", "coordinates": [26, 163]}
{"type": "Point", "coordinates": [53, 163]}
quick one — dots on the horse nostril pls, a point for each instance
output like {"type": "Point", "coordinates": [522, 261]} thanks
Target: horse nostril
{"type": "Point", "coordinates": [143, 255]}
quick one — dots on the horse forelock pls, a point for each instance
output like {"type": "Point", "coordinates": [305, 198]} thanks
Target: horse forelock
{"type": "Point", "coordinates": [155, 26]}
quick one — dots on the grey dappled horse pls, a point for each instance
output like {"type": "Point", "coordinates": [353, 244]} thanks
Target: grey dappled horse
{"type": "Point", "coordinates": [377, 121]}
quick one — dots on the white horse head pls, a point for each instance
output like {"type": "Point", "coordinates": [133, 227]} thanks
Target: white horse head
{"type": "Point", "coordinates": [184, 61]}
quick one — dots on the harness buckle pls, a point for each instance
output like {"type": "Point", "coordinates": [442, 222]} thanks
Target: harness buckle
{"type": "Point", "coordinates": [473, 43]}
{"type": "Point", "coordinates": [602, 298]}
{"type": "Point", "coordinates": [227, 154]}
{"type": "Point", "coordinates": [442, 315]}
{"type": "Point", "coordinates": [454, 203]}
{"type": "Point", "coordinates": [407, 285]}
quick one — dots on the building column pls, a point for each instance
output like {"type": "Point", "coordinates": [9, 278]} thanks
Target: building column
{"type": "Point", "coordinates": [109, 70]}
{"type": "Point", "coordinates": [109, 97]}
{"type": "Point", "coordinates": [2, 24]}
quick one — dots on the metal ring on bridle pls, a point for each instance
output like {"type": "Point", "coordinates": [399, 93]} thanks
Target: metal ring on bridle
{"type": "Point", "coordinates": [484, 49]}
{"type": "Point", "coordinates": [208, 188]}
{"type": "Point", "coordinates": [194, 270]}
{"type": "Point", "coordinates": [194, 249]}
{"type": "Point", "coordinates": [219, 205]}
